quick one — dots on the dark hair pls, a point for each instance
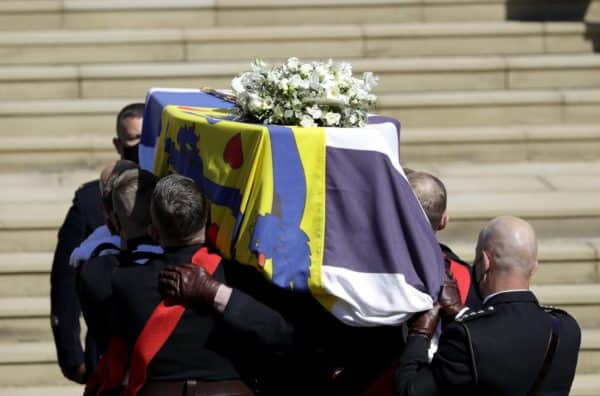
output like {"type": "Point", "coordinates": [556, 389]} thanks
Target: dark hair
{"type": "Point", "coordinates": [431, 193]}
{"type": "Point", "coordinates": [179, 208]}
{"type": "Point", "coordinates": [135, 110]}
{"type": "Point", "coordinates": [132, 191]}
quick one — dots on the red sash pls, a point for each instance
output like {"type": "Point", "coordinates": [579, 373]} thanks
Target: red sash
{"type": "Point", "coordinates": [153, 336]}
{"type": "Point", "coordinates": [462, 276]}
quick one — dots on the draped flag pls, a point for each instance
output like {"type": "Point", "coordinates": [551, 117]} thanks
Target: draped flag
{"type": "Point", "coordinates": [323, 210]}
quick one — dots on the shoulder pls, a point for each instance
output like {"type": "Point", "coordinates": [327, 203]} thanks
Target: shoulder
{"type": "Point", "coordinates": [89, 189]}
{"type": "Point", "coordinates": [567, 321]}
{"type": "Point", "coordinates": [476, 314]}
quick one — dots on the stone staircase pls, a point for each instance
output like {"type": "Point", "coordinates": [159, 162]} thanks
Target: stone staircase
{"type": "Point", "coordinates": [505, 111]}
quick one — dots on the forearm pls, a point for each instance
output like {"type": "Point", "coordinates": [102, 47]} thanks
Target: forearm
{"type": "Point", "coordinates": [413, 376]}
{"type": "Point", "coordinates": [253, 318]}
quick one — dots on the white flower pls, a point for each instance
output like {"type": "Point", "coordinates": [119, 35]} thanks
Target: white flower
{"type": "Point", "coordinates": [237, 85]}
{"type": "Point", "coordinates": [288, 114]}
{"type": "Point", "coordinates": [371, 80]}
{"type": "Point", "coordinates": [293, 64]}
{"type": "Point", "coordinates": [283, 84]}
{"type": "Point", "coordinates": [332, 118]}
{"type": "Point", "coordinates": [309, 94]}
{"type": "Point", "coordinates": [307, 121]}
{"type": "Point", "coordinates": [306, 69]}
{"type": "Point", "coordinates": [314, 111]}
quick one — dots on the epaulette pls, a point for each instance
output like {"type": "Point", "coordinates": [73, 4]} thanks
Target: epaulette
{"type": "Point", "coordinates": [469, 315]}
{"type": "Point", "coordinates": [553, 309]}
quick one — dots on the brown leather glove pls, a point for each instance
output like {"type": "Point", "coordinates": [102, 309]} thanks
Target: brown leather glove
{"type": "Point", "coordinates": [424, 323]}
{"type": "Point", "coordinates": [450, 297]}
{"type": "Point", "coordinates": [189, 284]}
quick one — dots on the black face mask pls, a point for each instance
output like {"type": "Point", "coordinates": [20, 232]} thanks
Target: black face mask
{"type": "Point", "coordinates": [131, 153]}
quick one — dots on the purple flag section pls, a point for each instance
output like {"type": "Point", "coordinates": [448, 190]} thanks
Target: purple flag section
{"type": "Point", "coordinates": [375, 223]}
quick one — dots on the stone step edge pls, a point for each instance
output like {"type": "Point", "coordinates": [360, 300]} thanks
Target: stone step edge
{"type": "Point", "coordinates": [549, 250]}
{"type": "Point", "coordinates": [558, 97]}
{"type": "Point", "coordinates": [505, 63]}
{"type": "Point", "coordinates": [304, 32]}
{"type": "Point", "coordinates": [141, 5]}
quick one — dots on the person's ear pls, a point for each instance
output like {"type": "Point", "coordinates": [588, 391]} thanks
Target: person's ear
{"type": "Point", "coordinates": [485, 260]}
{"type": "Point", "coordinates": [117, 145]}
{"type": "Point", "coordinates": [153, 233]}
{"type": "Point", "coordinates": [534, 269]}
{"type": "Point", "coordinates": [443, 222]}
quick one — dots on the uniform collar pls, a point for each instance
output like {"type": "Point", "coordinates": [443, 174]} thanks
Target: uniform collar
{"type": "Point", "coordinates": [509, 296]}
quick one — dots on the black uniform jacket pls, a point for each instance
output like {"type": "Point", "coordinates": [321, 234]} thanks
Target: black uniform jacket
{"type": "Point", "coordinates": [498, 350]}
{"type": "Point", "coordinates": [94, 288]}
{"type": "Point", "coordinates": [190, 353]}
{"type": "Point", "coordinates": [84, 216]}
{"type": "Point", "coordinates": [327, 357]}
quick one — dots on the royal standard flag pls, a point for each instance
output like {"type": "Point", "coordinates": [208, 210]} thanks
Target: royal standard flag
{"type": "Point", "coordinates": [324, 210]}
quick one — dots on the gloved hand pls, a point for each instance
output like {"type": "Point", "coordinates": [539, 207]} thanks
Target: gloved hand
{"type": "Point", "coordinates": [424, 323]}
{"type": "Point", "coordinates": [190, 284]}
{"type": "Point", "coordinates": [76, 374]}
{"type": "Point", "coordinates": [449, 299]}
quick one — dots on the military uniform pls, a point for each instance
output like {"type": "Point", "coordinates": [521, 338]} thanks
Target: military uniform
{"type": "Point", "coordinates": [497, 350]}
{"type": "Point", "coordinates": [94, 285]}
{"type": "Point", "coordinates": [84, 216]}
{"type": "Point", "coordinates": [190, 353]}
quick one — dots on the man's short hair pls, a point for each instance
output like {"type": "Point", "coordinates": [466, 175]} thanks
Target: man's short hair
{"type": "Point", "coordinates": [131, 195]}
{"type": "Point", "coordinates": [135, 110]}
{"type": "Point", "coordinates": [179, 209]}
{"type": "Point", "coordinates": [431, 193]}
{"type": "Point", "coordinates": [106, 188]}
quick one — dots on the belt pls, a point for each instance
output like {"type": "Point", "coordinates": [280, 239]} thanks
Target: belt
{"type": "Point", "coordinates": [195, 388]}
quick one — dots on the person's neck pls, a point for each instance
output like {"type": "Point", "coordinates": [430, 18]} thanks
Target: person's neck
{"type": "Point", "coordinates": [503, 284]}
{"type": "Point", "coordinates": [170, 244]}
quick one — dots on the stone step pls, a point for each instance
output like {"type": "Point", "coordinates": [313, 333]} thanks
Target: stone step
{"type": "Point", "coordinates": [24, 319]}
{"type": "Point", "coordinates": [62, 47]}
{"type": "Point", "coordinates": [493, 144]}
{"type": "Point", "coordinates": [501, 144]}
{"type": "Point", "coordinates": [91, 14]}
{"type": "Point", "coordinates": [586, 385]}
{"type": "Point", "coordinates": [491, 108]}
{"type": "Point", "coordinates": [552, 214]}
{"type": "Point", "coordinates": [84, 117]}
{"type": "Point", "coordinates": [18, 183]}
{"type": "Point", "coordinates": [25, 274]}
{"type": "Point", "coordinates": [56, 152]}
{"type": "Point", "coordinates": [582, 301]}
{"type": "Point", "coordinates": [589, 355]}
{"type": "Point", "coordinates": [396, 75]}
{"type": "Point", "coordinates": [57, 390]}
{"type": "Point", "coordinates": [562, 261]}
